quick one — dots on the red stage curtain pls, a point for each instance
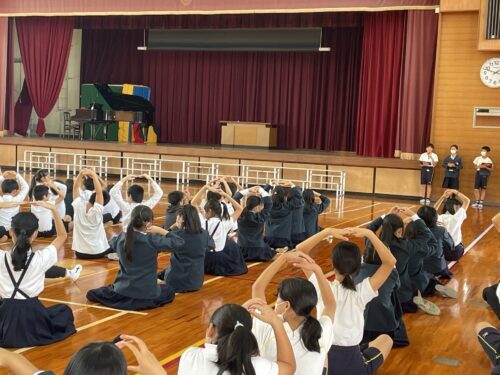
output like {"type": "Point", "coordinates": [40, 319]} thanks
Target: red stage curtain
{"type": "Point", "coordinates": [381, 73]}
{"type": "Point", "coordinates": [22, 111]}
{"type": "Point", "coordinates": [4, 38]}
{"type": "Point", "coordinates": [45, 44]}
{"type": "Point", "coordinates": [417, 91]}
{"type": "Point", "coordinates": [9, 95]}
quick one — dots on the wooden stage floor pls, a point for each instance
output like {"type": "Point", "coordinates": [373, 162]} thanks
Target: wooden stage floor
{"type": "Point", "coordinates": [169, 330]}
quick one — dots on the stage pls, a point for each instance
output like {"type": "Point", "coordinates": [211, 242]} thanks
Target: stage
{"type": "Point", "coordinates": [363, 175]}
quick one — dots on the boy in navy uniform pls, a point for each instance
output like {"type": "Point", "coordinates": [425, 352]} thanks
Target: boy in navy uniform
{"type": "Point", "coordinates": [452, 165]}
{"type": "Point", "coordinates": [428, 160]}
{"type": "Point", "coordinates": [483, 165]}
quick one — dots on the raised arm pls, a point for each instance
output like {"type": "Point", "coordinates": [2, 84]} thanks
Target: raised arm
{"type": "Point", "coordinates": [116, 193]}
{"type": "Point", "coordinates": [99, 199]}
{"type": "Point", "coordinates": [16, 363]}
{"type": "Point", "coordinates": [440, 201]}
{"type": "Point", "coordinates": [463, 198]}
{"type": "Point", "coordinates": [196, 201]}
{"type": "Point", "coordinates": [61, 235]}
{"type": "Point", "coordinates": [309, 244]}
{"type": "Point", "coordinates": [237, 207]}
{"type": "Point", "coordinates": [60, 194]}
{"type": "Point", "coordinates": [260, 285]}
{"type": "Point", "coordinates": [158, 192]}
{"type": "Point", "coordinates": [77, 184]}
{"type": "Point", "coordinates": [388, 260]}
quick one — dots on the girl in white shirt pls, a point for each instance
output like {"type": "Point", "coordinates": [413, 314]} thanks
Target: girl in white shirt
{"type": "Point", "coordinates": [231, 348]}
{"type": "Point", "coordinates": [14, 189]}
{"type": "Point", "coordinates": [311, 338]}
{"type": "Point", "coordinates": [345, 356]}
{"type": "Point", "coordinates": [25, 321]}
{"type": "Point", "coordinates": [225, 259]}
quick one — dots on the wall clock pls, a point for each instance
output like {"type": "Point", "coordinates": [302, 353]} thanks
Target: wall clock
{"type": "Point", "coordinates": [490, 73]}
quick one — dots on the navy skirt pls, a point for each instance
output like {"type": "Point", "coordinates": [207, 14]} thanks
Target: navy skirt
{"type": "Point", "coordinates": [258, 254]}
{"type": "Point", "coordinates": [278, 242]}
{"type": "Point", "coordinates": [107, 296]}
{"type": "Point", "coordinates": [26, 322]}
{"type": "Point", "coordinates": [228, 262]}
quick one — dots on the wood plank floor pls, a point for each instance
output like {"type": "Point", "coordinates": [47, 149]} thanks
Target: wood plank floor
{"type": "Point", "coordinates": [171, 329]}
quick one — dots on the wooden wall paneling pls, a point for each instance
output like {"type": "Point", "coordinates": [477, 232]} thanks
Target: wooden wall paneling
{"type": "Point", "coordinates": [176, 167]}
{"type": "Point", "coordinates": [22, 149]}
{"type": "Point", "coordinates": [358, 179]}
{"type": "Point", "coordinates": [459, 5]}
{"type": "Point", "coordinates": [226, 170]}
{"type": "Point", "coordinates": [458, 90]}
{"type": "Point", "coordinates": [66, 159]}
{"type": "Point", "coordinates": [297, 175]}
{"type": "Point", "coordinates": [114, 162]}
{"type": "Point", "coordinates": [397, 182]}
{"type": "Point", "coordinates": [8, 156]}
{"type": "Point", "coordinates": [265, 170]}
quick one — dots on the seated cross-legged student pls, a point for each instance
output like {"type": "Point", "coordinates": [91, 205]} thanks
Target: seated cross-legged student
{"type": "Point", "coordinates": [135, 286]}
{"type": "Point", "coordinates": [187, 263]}
{"type": "Point", "coordinates": [14, 189]}
{"type": "Point", "coordinates": [296, 203]}
{"type": "Point", "coordinates": [251, 224]}
{"type": "Point", "coordinates": [279, 223]}
{"type": "Point", "coordinates": [24, 321]}
{"type": "Point", "coordinates": [314, 204]}
{"type": "Point", "coordinates": [175, 200]}
{"type": "Point", "coordinates": [89, 236]}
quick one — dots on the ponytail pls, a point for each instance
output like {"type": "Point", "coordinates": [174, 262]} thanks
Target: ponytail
{"type": "Point", "coordinates": [225, 212]}
{"type": "Point", "coordinates": [138, 218]}
{"type": "Point", "coordinates": [311, 333]}
{"type": "Point", "coordinates": [24, 224]}
{"type": "Point", "coordinates": [348, 283]}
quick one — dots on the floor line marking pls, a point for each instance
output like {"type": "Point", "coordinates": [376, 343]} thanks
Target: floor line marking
{"type": "Point", "coordinates": [471, 245]}
{"type": "Point", "coordinates": [93, 306]}
{"type": "Point", "coordinates": [356, 209]}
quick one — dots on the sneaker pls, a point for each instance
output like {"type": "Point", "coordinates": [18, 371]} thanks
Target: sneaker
{"type": "Point", "coordinates": [480, 204]}
{"type": "Point", "coordinates": [426, 306]}
{"type": "Point", "coordinates": [446, 291]}
{"type": "Point", "coordinates": [475, 204]}
{"type": "Point", "coordinates": [422, 201]}
{"type": "Point", "coordinates": [428, 201]}
{"type": "Point", "coordinates": [112, 256]}
{"type": "Point", "coordinates": [74, 273]}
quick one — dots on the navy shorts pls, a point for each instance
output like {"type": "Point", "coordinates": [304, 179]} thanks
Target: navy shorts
{"type": "Point", "coordinates": [426, 175]}
{"type": "Point", "coordinates": [451, 183]}
{"type": "Point", "coordinates": [489, 338]}
{"type": "Point", "coordinates": [350, 360]}
{"type": "Point", "coordinates": [481, 181]}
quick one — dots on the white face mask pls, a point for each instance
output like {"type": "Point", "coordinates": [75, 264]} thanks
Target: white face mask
{"type": "Point", "coordinates": [453, 151]}
{"type": "Point", "coordinates": [484, 153]}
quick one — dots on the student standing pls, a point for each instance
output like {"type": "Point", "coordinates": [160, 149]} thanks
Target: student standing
{"type": "Point", "coordinates": [312, 210]}
{"type": "Point", "coordinates": [452, 165]}
{"type": "Point", "coordinates": [89, 236]}
{"type": "Point", "coordinates": [24, 321]}
{"type": "Point", "coordinates": [428, 160]}
{"type": "Point", "coordinates": [484, 166]}
{"type": "Point", "coordinates": [14, 189]}
{"type": "Point", "coordinates": [135, 286]}
{"type": "Point", "coordinates": [251, 224]}
{"type": "Point", "coordinates": [231, 348]}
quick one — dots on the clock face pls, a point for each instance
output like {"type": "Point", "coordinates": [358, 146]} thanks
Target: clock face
{"type": "Point", "coordinates": [490, 73]}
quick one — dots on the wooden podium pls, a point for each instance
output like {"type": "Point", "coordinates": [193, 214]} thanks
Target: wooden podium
{"type": "Point", "coordinates": [256, 134]}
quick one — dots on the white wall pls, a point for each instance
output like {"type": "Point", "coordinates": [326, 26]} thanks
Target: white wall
{"type": "Point", "coordinates": [69, 97]}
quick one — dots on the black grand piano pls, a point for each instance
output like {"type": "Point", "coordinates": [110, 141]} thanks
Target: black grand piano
{"type": "Point", "coordinates": [124, 107]}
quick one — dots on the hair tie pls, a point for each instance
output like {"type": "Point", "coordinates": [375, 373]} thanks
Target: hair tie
{"type": "Point", "coordinates": [23, 231]}
{"type": "Point", "coordinates": [238, 324]}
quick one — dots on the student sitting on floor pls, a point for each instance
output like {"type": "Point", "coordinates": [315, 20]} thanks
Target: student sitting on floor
{"type": "Point", "coordinates": [279, 223]}
{"type": "Point", "coordinates": [296, 203]}
{"type": "Point", "coordinates": [453, 216]}
{"type": "Point", "coordinates": [312, 210]}
{"type": "Point", "coordinates": [46, 225]}
{"type": "Point", "coordinates": [225, 259]}
{"type": "Point", "coordinates": [24, 321]}
{"type": "Point", "coordinates": [489, 339]}
{"type": "Point", "coordinates": [14, 189]}
{"type": "Point", "coordinates": [135, 196]}
{"type": "Point", "coordinates": [231, 348]}
{"type": "Point", "coordinates": [187, 262]}
{"type": "Point", "coordinates": [89, 236]}
{"type": "Point", "coordinates": [175, 201]}
{"type": "Point", "coordinates": [345, 356]}
{"type": "Point", "coordinates": [251, 224]}
{"type": "Point", "coordinates": [311, 338]}
{"type": "Point", "coordinates": [135, 286]}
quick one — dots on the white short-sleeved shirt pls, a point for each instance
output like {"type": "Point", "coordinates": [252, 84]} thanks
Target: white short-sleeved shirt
{"type": "Point", "coordinates": [61, 206]}
{"type": "Point", "coordinates": [89, 236]}
{"type": "Point", "coordinates": [6, 214]}
{"type": "Point", "coordinates": [498, 291]}
{"type": "Point", "coordinates": [220, 235]}
{"type": "Point", "coordinates": [454, 224]}
{"type": "Point", "coordinates": [44, 216]}
{"type": "Point", "coordinates": [34, 279]}
{"type": "Point", "coordinates": [198, 361]}
{"type": "Point", "coordinates": [426, 158]}
{"type": "Point", "coordinates": [349, 319]}
{"type": "Point", "coordinates": [480, 160]}
{"type": "Point", "coordinates": [308, 363]}
{"type": "Point", "coordinates": [111, 208]}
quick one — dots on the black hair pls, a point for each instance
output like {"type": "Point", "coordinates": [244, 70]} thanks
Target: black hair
{"type": "Point", "coordinates": [9, 185]}
{"type": "Point", "coordinates": [411, 231]}
{"type": "Point", "coordinates": [37, 178]}
{"type": "Point", "coordinates": [371, 256]}
{"type": "Point", "coordinates": [486, 148]}
{"type": "Point", "coordinates": [109, 187]}
{"type": "Point", "coordinates": [97, 358]}
{"type": "Point", "coordinates": [251, 202]}
{"type": "Point", "coordinates": [279, 196]}
{"type": "Point", "coordinates": [215, 207]}
{"type": "Point", "coordinates": [390, 225]}
{"type": "Point", "coordinates": [232, 187]}
{"type": "Point", "coordinates": [429, 215]}
{"type": "Point", "coordinates": [225, 212]}
{"type": "Point", "coordinates": [105, 198]}
{"type": "Point", "coordinates": [88, 183]}
{"type": "Point", "coordinates": [346, 259]}
{"type": "Point", "coordinates": [309, 198]}
{"type": "Point", "coordinates": [449, 205]}
{"type": "Point", "coordinates": [136, 192]}
{"type": "Point", "coordinates": [303, 298]}
{"type": "Point", "coordinates": [175, 197]}
{"type": "Point", "coordinates": [24, 224]}
{"type": "Point", "coordinates": [213, 195]}
{"type": "Point", "coordinates": [456, 146]}
{"type": "Point", "coordinates": [39, 192]}
{"type": "Point", "coordinates": [139, 216]}
{"type": "Point", "coordinates": [429, 145]}
{"type": "Point", "coordinates": [236, 344]}
{"type": "Point", "coordinates": [190, 218]}
{"type": "Point", "coordinates": [69, 183]}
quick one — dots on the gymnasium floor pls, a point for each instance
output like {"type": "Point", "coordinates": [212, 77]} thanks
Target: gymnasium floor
{"type": "Point", "coordinates": [439, 345]}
